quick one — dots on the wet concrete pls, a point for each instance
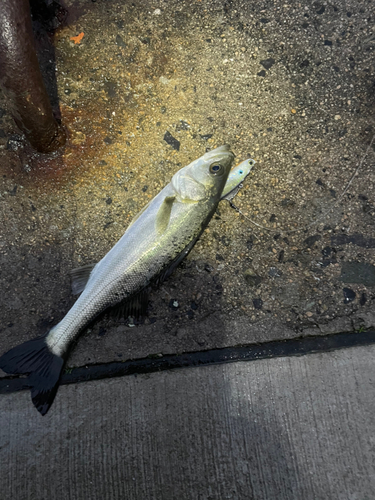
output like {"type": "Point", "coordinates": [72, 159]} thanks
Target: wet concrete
{"type": "Point", "coordinates": [288, 84]}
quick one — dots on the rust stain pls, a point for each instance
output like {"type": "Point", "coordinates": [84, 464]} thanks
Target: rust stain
{"type": "Point", "coordinates": [109, 136]}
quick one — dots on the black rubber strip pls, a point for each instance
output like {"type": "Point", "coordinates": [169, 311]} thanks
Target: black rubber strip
{"type": "Point", "coordinates": [267, 350]}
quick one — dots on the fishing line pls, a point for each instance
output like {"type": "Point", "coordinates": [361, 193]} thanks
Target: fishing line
{"type": "Point", "coordinates": [323, 214]}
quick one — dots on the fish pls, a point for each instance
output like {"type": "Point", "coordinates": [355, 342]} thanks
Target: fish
{"type": "Point", "coordinates": [235, 179]}
{"type": "Point", "coordinates": [158, 238]}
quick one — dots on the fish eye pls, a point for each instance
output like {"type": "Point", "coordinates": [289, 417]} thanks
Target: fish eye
{"type": "Point", "coordinates": [240, 172]}
{"type": "Point", "coordinates": [216, 169]}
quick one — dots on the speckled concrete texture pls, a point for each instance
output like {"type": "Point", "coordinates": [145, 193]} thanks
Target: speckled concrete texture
{"type": "Point", "coordinates": [144, 88]}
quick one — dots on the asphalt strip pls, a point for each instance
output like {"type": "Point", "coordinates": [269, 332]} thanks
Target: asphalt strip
{"type": "Point", "coordinates": [253, 352]}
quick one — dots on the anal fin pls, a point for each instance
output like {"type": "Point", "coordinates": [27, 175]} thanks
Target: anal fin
{"type": "Point", "coordinates": [136, 306]}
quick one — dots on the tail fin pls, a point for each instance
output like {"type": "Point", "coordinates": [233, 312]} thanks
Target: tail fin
{"type": "Point", "coordinates": [34, 357]}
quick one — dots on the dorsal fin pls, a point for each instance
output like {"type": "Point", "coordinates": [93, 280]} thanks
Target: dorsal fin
{"type": "Point", "coordinates": [80, 277]}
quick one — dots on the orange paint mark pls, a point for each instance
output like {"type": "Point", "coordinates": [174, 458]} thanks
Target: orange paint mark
{"type": "Point", "coordinates": [78, 38]}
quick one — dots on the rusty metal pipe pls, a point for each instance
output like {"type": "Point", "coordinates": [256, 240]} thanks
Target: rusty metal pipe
{"type": "Point", "coordinates": [21, 79]}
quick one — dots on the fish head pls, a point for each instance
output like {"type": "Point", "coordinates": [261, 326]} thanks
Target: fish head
{"type": "Point", "coordinates": [205, 177]}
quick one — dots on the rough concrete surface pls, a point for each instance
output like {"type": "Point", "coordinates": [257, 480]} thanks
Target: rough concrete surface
{"type": "Point", "coordinates": [287, 428]}
{"type": "Point", "coordinates": [288, 84]}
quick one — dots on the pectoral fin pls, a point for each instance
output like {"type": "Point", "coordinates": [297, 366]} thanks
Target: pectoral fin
{"type": "Point", "coordinates": [164, 214]}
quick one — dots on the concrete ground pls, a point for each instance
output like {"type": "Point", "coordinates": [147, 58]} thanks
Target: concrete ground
{"type": "Point", "coordinates": [286, 428]}
{"type": "Point", "coordinates": [289, 84]}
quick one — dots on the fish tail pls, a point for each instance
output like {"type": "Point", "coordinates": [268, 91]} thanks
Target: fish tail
{"type": "Point", "coordinates": [44, 368]}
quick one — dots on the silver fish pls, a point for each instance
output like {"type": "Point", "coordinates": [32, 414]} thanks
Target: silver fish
{"type": "Point", "coordinates": [235, 179]}
{"type": "Point", "coordinates": [156, 241]}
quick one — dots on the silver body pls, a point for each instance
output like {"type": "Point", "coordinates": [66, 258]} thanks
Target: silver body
{"type": "Point", "coordinates": [162, 232]}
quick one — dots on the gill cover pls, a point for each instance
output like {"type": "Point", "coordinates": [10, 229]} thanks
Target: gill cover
{"type": "Point", "coordinates": [195, 182]}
